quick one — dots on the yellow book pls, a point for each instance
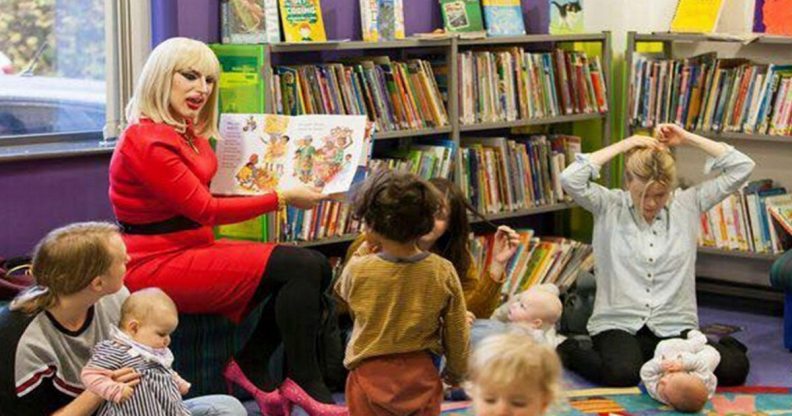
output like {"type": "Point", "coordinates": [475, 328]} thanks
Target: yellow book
{"type": "Point", "coordinates": [302, 21]}
{"type": "Point", "coordinates": [698, 16]}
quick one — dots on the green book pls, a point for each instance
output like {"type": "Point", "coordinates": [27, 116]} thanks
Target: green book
{"type": "Point", "coordinates": [241, 90]}
{"type": "Point", "coordinates": [462, 15]}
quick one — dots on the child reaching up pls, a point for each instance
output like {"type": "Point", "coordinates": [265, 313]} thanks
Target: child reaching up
{"type": "Point", "coordinates": [681, 374]}
{"type": "Point", "coordinates": [407, 304]}
{"type": "Point", "coordinates": [509, 374]}
{"type": "Point", "coordinates": [148, 317]}
{"type": "Point", "coordinates": [534, 312]}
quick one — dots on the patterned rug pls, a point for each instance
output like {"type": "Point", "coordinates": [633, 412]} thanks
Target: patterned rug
{"type": "Point", "coordinates": [755, 401]}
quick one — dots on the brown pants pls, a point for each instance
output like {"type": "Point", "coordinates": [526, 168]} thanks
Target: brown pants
{"type": "Point", "coordinates": [397, 384]}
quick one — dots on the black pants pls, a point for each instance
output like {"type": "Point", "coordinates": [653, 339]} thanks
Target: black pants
{"type": "Point", "coordinates": [616, 357]}
{"type": "Point", "coordinates": [292, 285]}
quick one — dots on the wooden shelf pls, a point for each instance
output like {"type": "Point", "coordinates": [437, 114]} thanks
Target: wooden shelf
{"type": "Point", "coordinates": [737, 254]}
{"type": "Point", "coordinates": [513, 40]}
{"type": "Point", "coordinates": [532, 122]}
{"type": "Point", "coordinates": [325, 241]}
{"type": "Point", "coordinates": [693, 37]}
{"type": "Point", "coordinates": [745, 136]}
{"type": "Point", "coordinates": [396, 134]}
{"type": "Point", "coordinates": [525, 212]}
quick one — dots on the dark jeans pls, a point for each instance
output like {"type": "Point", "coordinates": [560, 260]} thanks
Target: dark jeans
{"type": "Point", "coordinates": [616, 357]}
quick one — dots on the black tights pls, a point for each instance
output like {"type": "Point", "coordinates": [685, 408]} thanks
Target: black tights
{"type": "Point", "coordinates": [292, 286]}
{"type": "Point", "coordinates": [617, 356]}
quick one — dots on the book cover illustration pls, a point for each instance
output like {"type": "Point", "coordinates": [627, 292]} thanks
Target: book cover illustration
{"type": "Point", "coordinates": [566, 16]}
{"type": "Point", "coordinates": [503, 17]}
{"type": "Point", "coordinates": [250, 21]}
{"type": "Point", "coordinates": [462, 15]}
{"type": "Point", "coordinates": [261, 152]}
{"type": "Point", "coordinates": [697, 16]}
{"type": "Point", "coordinates": [302, 21]}
{"type": "Point", "coordinates": [382, 20]}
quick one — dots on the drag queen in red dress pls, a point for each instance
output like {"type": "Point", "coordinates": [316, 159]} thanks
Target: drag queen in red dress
{"type": "Point", "coordinates": [159, 190]}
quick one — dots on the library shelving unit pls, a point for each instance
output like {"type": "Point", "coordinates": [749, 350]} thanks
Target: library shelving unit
{"type": "Point", "coordinates": [718, 265]}
{"type": "Point", "coordinates": [450, 48]}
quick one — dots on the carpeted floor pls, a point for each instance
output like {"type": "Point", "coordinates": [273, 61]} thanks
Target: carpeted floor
{"type": "Point", "coordinates": [761, 332]}
{"type": "Point", "coordinates": [632, 401]}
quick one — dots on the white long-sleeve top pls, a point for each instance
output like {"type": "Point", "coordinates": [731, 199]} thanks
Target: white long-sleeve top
{"type": "Point", "coordinates": [696, 357]}
{"type": "Point", "coordinates": [646, 273]}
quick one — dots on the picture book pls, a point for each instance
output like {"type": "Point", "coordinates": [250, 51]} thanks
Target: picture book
{"type": "Point", "coordinates": [461, 16]}
{"type": "Point", "coordinates": [249, 21]}
{"type": "Point", "coordinates": [698, 16]}
{"type": "Point", "coordinates": [302, 21]}
{"type": "Point", "coordinates": [566, 16]}
{"type": "Point", "coordinates": [382, 20]}
{"type": "Point", "coordinates": [261, 152]}
{"type": "Point", "coordinates": [503, 17]}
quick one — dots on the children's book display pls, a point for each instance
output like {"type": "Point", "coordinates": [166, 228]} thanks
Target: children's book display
{"type": "Point", "coordinates": [776, 16]}
{"type": "Point", "coordinates": [698, 16]}
{"type": "Point", "coordinates": [566, 16]}
{"type": "Point", "coordinates": [302, 21]}
{"type": "Point", "coordinates": [503, 17]}
{"type": "Point", "coordinates": [249, 21]}
{"type": "Point", "coordinates": [382, 20]}
{"type": "Point", "coordinates": [462, 16]}
{"type": "Point", "coordinates": [261, 152]}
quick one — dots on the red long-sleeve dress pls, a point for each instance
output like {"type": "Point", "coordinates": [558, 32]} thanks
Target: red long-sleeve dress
{"type": "Point", "coordinates": [156, 175]}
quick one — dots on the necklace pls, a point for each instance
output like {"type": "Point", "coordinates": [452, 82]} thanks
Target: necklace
{"type": "Point", "coordinates": [188, 137]}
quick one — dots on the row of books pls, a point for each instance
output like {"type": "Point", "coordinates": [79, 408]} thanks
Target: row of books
{"type": "Point", "coordinates": [758, 218]}
{"type": "Point", "coordinates": [427, 158]}
{"type": "Point", "coordinates": [710, 94]}
{"type": "Point", "coordinates": [508, 174]}
{"type": "Point", "coordinates": [395, 95]}
{"type": "Point", "coordinates": [328, 219]}
{"type": "Point", "coordinates": [538, 260]}
{"type": "Point", "coordinates": [512, 84]}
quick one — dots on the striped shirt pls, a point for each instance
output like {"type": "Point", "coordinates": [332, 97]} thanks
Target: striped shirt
{"type": "Point", "coordinates": [646, 273]}
{"type": "Point", "coordinates": [405, 305]}
{"type": "Point", "coordinates": [156, 395]}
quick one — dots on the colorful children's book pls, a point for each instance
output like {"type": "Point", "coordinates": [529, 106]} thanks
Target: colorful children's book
{"type": "Point", "coordinates": [302, 21]}
{"type": "Point", "coordinates": [461, 16]}
{"type": "Point", "coordinates": [382, 19]}
{"type": "Point", "coordinates": [566, 16]}
{"type": "Point", "coordinates": [503, 17]}
{"type": "Point", "coordinates": [698, 16]}
{"type": "Point", "coordinates": [775, 16]}
{"type": "Point", "coordinates": [261, 152]}
{"type": "Point", "coordinates": [250, 21]}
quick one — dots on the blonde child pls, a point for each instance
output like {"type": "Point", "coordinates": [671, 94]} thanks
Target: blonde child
{"type": "Point", "coordinates": [48, 331]}
{"type": "Point", "coordinates": [510, 374]}
{"type": "Point", "coordinates": [407, 304]}
{"type": "Point", "coordinates": [148, 317]}
{"type": "Point", "coordinates": [533, 312]}
{"type": "Point", "coordinates": [681, 374]}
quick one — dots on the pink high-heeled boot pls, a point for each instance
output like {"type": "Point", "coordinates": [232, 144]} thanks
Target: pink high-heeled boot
{"type": "Point", "coordinates": [296, 395]}
{"type": "Point", "coordinates": [270, 403]}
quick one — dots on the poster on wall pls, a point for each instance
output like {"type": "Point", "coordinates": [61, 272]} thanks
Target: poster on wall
{"type": "Point", "coordinates": [261, 152]}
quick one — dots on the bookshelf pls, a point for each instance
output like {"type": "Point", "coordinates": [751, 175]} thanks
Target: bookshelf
{"type": "Point", "coordinates": [449, 48]}
{"type": "Point", "coordinates": [771, 152]}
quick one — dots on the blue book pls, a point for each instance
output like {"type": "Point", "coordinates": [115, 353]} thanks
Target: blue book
{"type": "Point", "coordinates": [503, 17]}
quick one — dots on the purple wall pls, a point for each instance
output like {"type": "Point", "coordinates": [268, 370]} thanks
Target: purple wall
{"type": "Point", "coordinates": [198, 19]}
{"type": "Point", "coordinates": [39, 195]}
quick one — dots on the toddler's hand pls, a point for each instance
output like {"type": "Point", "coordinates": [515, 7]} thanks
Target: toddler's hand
{"type": "Point", "coordinates": [469, 318]}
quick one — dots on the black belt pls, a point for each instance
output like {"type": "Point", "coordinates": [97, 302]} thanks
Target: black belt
{"type": "Point", "coordinates": [171, 225]}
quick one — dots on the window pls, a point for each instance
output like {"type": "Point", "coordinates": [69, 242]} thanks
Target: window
{"type": "Point", "coordinates": [52, 59]}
